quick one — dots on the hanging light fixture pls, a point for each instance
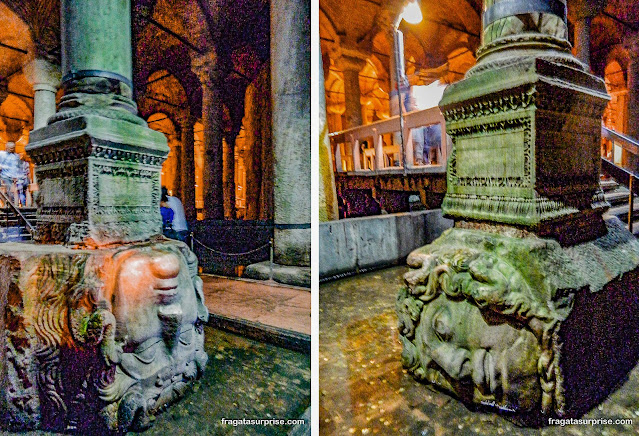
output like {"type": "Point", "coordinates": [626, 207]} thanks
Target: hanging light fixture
{"type": "Point", "coordinates": [412, 14]}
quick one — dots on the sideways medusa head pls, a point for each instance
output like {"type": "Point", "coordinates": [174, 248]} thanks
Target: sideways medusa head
{"type": "Point", "coordinates": [470, 325]}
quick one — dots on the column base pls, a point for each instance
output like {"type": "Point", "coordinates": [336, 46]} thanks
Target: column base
{"type": "Point", "coordinates": [285, 274]}
{"type": "Point", "coordinates": [99, 180]}
{"type": "Point", "coordinates": [97, 341]}
{"type": "Point", "coordinates": [513, 323]}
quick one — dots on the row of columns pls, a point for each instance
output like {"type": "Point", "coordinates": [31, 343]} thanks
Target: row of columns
{"type": "Point", "coordinates": [583, 11]}
{"type": "Point", "coordinates": [290, 73]}
{"type": "Point", "coordinates": [351, 60]}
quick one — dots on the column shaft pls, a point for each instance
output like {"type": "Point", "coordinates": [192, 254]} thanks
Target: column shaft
{"type": "Point", "coordinates": [290, 75]}
{"type": "Point", "coordinates": [229, 179]}
{"type": "Point", "coordinates": [582, 39]}
{"type": "Point", "coordinates": [392, 72]}
{"type": "Point", "coordinates": [328, 210]}
{"type": "Point", "coordinates": [43, 105]}
{"type": "Point", "coordinates": [177, 180]}
{"type": "Point", "coordinates": [45, 79]}
{"type": "Point", "coordinates": [352, 96]}
{"type": "Point", "coordinates": [212, 177]}
{"type": "Point", "coordinates": [633, 96]}
{"type": "Point", "coordinates": [188, 167]}
{"type": "Point", "coordinates": [96, 36]}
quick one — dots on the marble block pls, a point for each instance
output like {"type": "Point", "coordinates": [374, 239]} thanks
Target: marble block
{"type": "Point", "coordinates": [492, 315]}
{"type": "Point", "coordinates": [97, 340]}
{"type": "Point", "coordinates": [99, 179]}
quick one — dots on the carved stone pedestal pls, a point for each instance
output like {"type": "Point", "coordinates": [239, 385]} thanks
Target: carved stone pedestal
{"type": "Point", "coordinates": [99, 179]}
{"type": "Point", "coordinates": [515, 323]}
{"type": "Point", "coordinates": [93, 341]}
{"type": "Point", "coordinates": [526, 139]}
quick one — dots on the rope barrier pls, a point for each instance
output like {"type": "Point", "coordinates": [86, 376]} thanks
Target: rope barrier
{"type": "Point", "coordinates": [221, 253]}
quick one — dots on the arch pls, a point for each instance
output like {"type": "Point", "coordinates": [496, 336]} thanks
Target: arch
{"type": "Point", "coordinates": [375, 100]}
{"type": "Point", "coordinates": [16, 94]}
{"type": "Point", "coordinates": [163, 93]}
{"type": "Point", "coordinates": [619, 55]}
{"type": "Point", "coordinates": [179, 67]}
{"type": "Point", "coordinates": [615, 75]}
{"type": "Point", "coordinates": [162, 122]}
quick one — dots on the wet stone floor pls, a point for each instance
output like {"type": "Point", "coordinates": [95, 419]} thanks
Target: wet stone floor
{"type": "Point", "coordinates": [365, 391]}
{"type": "Point", "coordinates": [243, 379]}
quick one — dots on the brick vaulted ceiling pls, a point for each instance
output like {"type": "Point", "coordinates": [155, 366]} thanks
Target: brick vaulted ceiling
{"type": "Point", "coordinates": [166, 35]}
{"type": "Point", "coordinates": [447, 27]}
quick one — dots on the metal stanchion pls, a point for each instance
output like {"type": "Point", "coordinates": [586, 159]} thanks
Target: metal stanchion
{"type": "Point", "coordinates": [270, 272]}
{"type": "Point", "coordinates": [631, 203]}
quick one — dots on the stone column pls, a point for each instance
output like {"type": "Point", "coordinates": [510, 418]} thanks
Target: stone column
{"type": "Point", "coordinates": [109, 191]}
{"type": "Point", "coordinates": [523, 186]}
{"type": "Point", "coordinates": [100, 283]}
{"type": "Point", "coordinates": [632, 45]}
{"type": "Point", "coordinates": [177, 180]}
{"type": "Point", "coordinates": [187, 168]}
{"type": "Point", "coordinates": [291, 88]}
{"type": "Point", "coordinates": [45, 78]}
{"type": "Point", "coordinates": [581, 14]}
{"type": "Point", "coordinates": [328, 210]}
{"type": "Point", "coordinates": [211, 73]}
{"type": "Point", "coordinates": [4, 93]}
{"type": "Point", "coordinates": [582, 39]}
{"type": "Point", "coordinates": [351, 62]}
{"type": "Point", "coordinates": [229, 177]}
{"type": "Point", "coordinates": [392, 71]}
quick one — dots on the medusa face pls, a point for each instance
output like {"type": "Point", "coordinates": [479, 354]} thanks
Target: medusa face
{"type": "Point", "coordinates": [153, 288]}
{"type": "Point", "coordinates": [478, 355]}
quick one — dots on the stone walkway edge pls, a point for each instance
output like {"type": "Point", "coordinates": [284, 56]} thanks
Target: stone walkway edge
{"type": "Point", "coordinates": [250, 308]}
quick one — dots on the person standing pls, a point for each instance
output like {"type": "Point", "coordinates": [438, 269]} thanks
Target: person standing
{"type": "Point", "coordinates": [180, 225]}
{"type": "Point", "coordinates": [23, 183]}
{"type": "Point", "coordinates": [11, 171]}
{"type": "Point", "coordinates": [167, 217]}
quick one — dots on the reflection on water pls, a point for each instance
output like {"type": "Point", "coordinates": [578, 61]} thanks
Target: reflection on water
{"type": "Point", "coordinates": [364, 389]}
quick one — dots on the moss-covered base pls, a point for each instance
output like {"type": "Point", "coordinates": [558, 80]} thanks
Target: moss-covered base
{"type": "Point", "coordinates": [99, 180]}
{"type": "Point", "coordinates": [492, 316]}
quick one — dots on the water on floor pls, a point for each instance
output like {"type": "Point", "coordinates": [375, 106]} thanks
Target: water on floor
{"type": "Point", "coordinates": [365, 391]}
{"type": "Point", "coordinates": [244, 379]}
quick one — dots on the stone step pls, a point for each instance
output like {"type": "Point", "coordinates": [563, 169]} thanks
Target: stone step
{"type": "Point", "coordinates": [621, 211]}
{"type": "Point", "coordinates": [617, 197]}
{"type": "Point", "coordinates": [609, 185]}
{"type": "Point", "coordinates": [14, 234]}
{"type": "Point", "coordinates": [9, 218]}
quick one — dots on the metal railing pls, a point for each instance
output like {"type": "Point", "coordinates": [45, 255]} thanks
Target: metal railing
{"type": "Point", "coordinates": [349, 157]}
{"type": "Point", "coordinates": [30, 227]}
{"type": "Point", "coordinates": [622, 175]}
{"type": "Point", "coordinates": [626, 142]}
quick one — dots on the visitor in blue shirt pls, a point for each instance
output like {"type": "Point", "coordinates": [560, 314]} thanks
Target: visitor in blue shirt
{"type": "Point", "coordinates": [167, 217]}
